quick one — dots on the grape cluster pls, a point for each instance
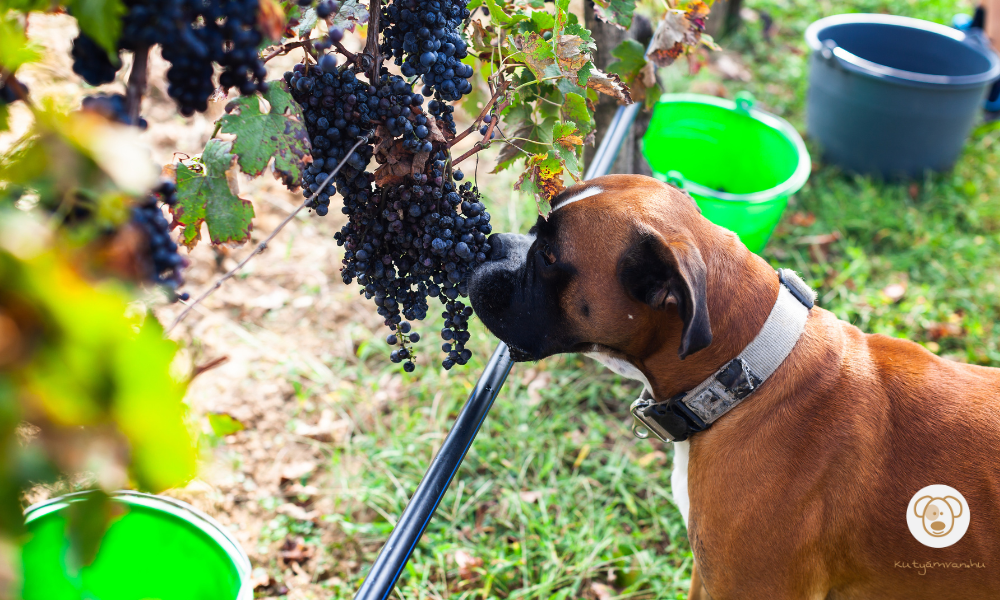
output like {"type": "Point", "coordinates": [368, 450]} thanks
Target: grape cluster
{"type": "Point", "coordinates": [337, 108]}
{"type": "Point", "coordinates": [11, 90]}
{"type": "Point", "coordinates": [194, 36]}
{"type": "Point", "coordinates": [415, 240]}
{"type": "Point", "coordinates": [113, 108]}
{"type": "Point", "coordinates": [92, 62]}
{"type": "Point", "coordinates": [402, 113]}
{"type": "Point", "coordinates": [424, 38]}
{"type": "Point", "coordinates": [164, 264]}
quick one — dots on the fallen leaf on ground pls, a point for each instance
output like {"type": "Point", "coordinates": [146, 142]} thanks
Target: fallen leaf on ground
{"type": "Point", "coordinates": [894, 291]}
{"type": "Point", "coordinates": [297, 470]}
{"type": "Point", "coordinates": [531, 496]}
{"type": "Point", "coordinates": [823, 239]}
{"type": "Point", "coordinates": [602, 591]}
{"type": "Point", "coordinates": [650, 458]}
{"type": "Point", "coordinates": [294, 550]}
{"type": "Point", "coordinates": [937, 331]}
{"type": "Point", "coordinates": [259, 578]}
{"type": "Point", "coordinates": [467, 564]}
{"type": "Point", "coordinates": [803, 219]}
{"type": "Point", "coordinates": [297, 512]}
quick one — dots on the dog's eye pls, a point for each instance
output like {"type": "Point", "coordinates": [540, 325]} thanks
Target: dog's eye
{"type": "Point", "coordinates": [548, 257]}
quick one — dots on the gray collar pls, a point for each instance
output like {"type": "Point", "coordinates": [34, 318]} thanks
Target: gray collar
{"type": "Point", "coordinates": [675, 419]}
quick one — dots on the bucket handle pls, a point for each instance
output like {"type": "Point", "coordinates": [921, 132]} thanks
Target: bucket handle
{"type": "Point", "coordinates": [676, 179]}
{"type": "Point", "coordinates": [744, 101]}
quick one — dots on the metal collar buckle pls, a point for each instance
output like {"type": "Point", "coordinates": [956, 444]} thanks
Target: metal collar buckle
{"type": "Point", "coordinates": [670, 421]}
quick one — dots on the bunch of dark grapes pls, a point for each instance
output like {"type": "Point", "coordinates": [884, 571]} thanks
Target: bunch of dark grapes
{"type": "Point", "coordinates": [164, 265]}
{"type": "Point", "coordinates": [113, 108]}
{"type": "Point", "coordinates": [12, 90]}
{"type": "Point", "coordinates": [337, 108]}
{"type": "Point", "coordinates": [92, 62]}
{"type": "Point", "coordinates": [194, 35]}
{"type": "Point", "coordinates": [424, 37]}
{"type": "Point", "coordinates": [414, 240]}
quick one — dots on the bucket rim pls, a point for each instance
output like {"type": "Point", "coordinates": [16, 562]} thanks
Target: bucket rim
{"type": "Point", "coordinates": [164, 504]}
{"type": "Point", "coordinates": [875, 70]}
{"type": "Point", "coordinates": [786, 188]}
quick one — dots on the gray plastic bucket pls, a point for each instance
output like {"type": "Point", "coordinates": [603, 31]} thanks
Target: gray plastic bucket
{"type": "Point", "coordinates": [892, 95]}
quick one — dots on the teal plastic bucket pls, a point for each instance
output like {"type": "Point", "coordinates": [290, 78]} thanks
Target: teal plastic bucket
{"type": "Point", "coordinates": [739, 163]}
{"type": "Point", "coordinates": [158, 548]}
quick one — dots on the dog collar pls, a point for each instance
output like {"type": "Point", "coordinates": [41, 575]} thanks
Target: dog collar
{"type": "Point", "coordinates": [690, 412]}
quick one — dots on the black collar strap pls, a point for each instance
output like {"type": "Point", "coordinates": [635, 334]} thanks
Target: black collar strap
{"type": "Point", "coordinates": [676, 419]}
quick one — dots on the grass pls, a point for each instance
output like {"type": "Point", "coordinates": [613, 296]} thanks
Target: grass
{"type": "Point", "coordinates": [556, 499]}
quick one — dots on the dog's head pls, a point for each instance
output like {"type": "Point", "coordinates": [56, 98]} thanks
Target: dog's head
{"type": "Point", "coordinates": [938, 514]}
{"type": "Point", "coordinates": [616, 267]}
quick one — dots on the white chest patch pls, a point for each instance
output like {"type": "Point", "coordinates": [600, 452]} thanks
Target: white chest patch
{"type": "Point", "coordinates": [679, 475]}
{"type": "Point", "coordinates": [586, 193]}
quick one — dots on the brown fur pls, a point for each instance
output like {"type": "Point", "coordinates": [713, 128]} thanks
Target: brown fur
{"type": "Point", "coordinates": [801, 491]}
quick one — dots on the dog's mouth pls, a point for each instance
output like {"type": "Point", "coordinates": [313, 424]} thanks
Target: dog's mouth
{"type": "Point", "coordinates": [519, 355]}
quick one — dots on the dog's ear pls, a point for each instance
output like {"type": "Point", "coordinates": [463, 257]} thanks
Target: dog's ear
{"type": "Point", "coordinates": [661, 273]}
{"type": "Point", "coordinates": [921, 505]}
{"type": "Point", "coordinates": [955, 505]}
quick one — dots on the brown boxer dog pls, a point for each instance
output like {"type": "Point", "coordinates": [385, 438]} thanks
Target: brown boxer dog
{"type": "Point", "coordinates": [802, 490]}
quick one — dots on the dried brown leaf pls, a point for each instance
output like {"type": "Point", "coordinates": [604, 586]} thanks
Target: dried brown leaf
{"type": "Point", "coordinates": [271, 19]}
{"type": "Point", "coordinates": [609, 84]}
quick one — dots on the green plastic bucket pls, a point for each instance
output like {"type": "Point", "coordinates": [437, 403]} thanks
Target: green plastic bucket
{"type": "Point", "coordinates": [160, 549]}
{"type": "Point", "coordinates": [739, 163]}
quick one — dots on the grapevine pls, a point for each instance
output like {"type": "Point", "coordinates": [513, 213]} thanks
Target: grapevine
{"type": "Point", "coordinates": [367, 133]}
{"type": "Point", "coordinates": [366, 129]}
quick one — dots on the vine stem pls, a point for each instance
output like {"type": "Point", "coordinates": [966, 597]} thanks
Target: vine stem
{"type": "Point", "coordinates": [137, 80]}
{"type": "Point", "coordinates": [351, 57]}
{"type": "Point", "coordinates": [483, 143]}
{"type": "Point", "coordinates": [261, 247]}
{"type": "Point", "coordinates": [486, 109]}
{"type": "Point", "coordinates": [284, 49]}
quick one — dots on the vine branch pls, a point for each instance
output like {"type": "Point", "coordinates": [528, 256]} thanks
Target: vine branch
{"type": "Point", "coordinates": [283, 49]}
{"type": "Point", "coordinates": [489, 105]}
{"type": "Point", "coordinates": [261, 247]}
{"type": "Point", "coordinates": [137, 80]}
{"type": "Point", "coordinates": [485, 142]}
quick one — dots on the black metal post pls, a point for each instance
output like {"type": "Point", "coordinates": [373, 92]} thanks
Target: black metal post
{"type": "Point", "coordinates": [397, 550]}
{"type": "Point", "coordinates": [418, 512]}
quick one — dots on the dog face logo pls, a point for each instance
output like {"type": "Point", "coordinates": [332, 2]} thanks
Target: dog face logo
{"type": "Point", "coordinates": [938, 516]}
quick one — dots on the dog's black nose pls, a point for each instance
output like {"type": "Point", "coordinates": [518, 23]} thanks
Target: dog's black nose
{"type": "Point", "coordinates": [498, 251]}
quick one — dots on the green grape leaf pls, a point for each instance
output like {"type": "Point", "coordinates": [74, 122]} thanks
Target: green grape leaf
{"type": "Point", "coordinates": [544, 173]}
{"type": "Point", "coordinates": [574, 28]}
{"type": "Point", "coordinates": [350, 13]}
{"type": "Point", "coordinates": [616, 12]}
{"type": "Point", "coordinates": [224, 424]}
{"type": "Point", "coordinates": [15, 49]}
{"type": "Point", "coordinates": [150, 410]}
{"type": "Point", "coordinates": [498, 16]}
{"type": "Point", "coordinates": [566, 141]}
{"type": "Point", "coordinates": [279, 133]}
{"type": "Point", "coordinates": [4, 126]}
{"type": "Point", "coordinates": [638, 73]}
{"type": "Point", "coordinates": [307, 22]}
{"type": "Point", "coordinates": [206, 197]}
{"type": "Point", "coordinates": [574, 110]}
{"type": "Point", "coordinates": [101, 20]}
{"type": "Point", "coordinates": [631, 58]}
{"type": "Point", "coordinates": [518, 127]}
{"type": "Point", "coordinates": [542, 20]}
